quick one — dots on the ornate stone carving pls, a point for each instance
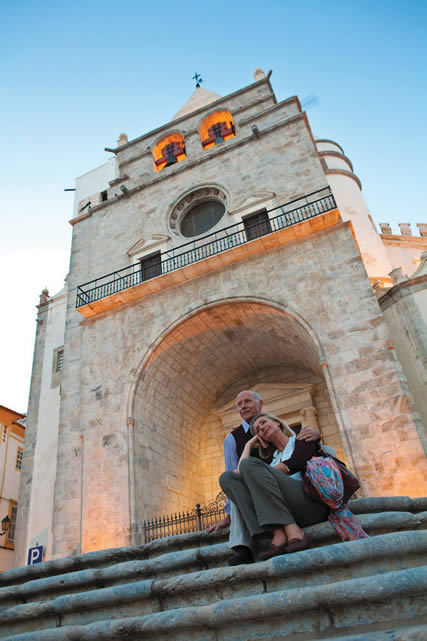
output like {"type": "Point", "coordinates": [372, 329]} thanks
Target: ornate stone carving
{"type": "Point", "coordinates": [143, 245]}
{"type": "Point", "coordinates": [250, 200]}
{"type": "Point", "coordinates": [309, 416]}
{"type": "Point", "coordinates": [194, 198]}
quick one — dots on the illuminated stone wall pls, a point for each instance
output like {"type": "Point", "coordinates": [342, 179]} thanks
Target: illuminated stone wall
{"type": "Point", "coordinates": [137, 429]}
{"type": "Point", "coordinates": [175, 376]}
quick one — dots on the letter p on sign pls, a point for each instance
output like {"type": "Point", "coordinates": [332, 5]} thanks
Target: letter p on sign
{"type": "Point", "coordinates": [35, 555]}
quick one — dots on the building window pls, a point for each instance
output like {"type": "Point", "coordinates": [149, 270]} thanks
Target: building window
{"type": "Point", "coordinates": [257, 225]}
{"type": "Point", "coordinates": [202, 217]}
{"type": "Point", "coordinates": [59, 363]}
{"type": "Point", "coordinates": [19, 457]}
{"type": "Point", "coordinates": [151, 266]}
{"type": "Point", "coordinates": [10, 535]}
{"type": "Point", "coordinates": [216, 128]}
{"type": "Point", "coordinates": [169, 151]}
{"type": "Point", "coordinates": [104, 196]}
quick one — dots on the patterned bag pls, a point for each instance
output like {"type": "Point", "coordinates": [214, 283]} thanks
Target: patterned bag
{"type": "Point", "coordinates": [323, 477]}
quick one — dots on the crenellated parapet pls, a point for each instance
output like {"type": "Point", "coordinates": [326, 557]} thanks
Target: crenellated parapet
{"type": "Point", "coordinates": [405, 229]}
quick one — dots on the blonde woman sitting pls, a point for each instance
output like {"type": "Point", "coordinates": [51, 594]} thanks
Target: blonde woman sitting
{"type": "Point", "coordinates": [270, 497]}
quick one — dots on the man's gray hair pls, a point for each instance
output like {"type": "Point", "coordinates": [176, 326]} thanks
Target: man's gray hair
{"type": "Point", "coordinates": [257, 397]}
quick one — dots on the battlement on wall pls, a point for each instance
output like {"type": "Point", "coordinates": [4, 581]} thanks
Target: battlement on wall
{"type": "Point", "coordinates": [405, 229]}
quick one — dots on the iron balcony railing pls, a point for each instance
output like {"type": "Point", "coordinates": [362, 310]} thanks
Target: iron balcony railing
{"type": "Point", "coordinates": [291, 213]}
{"type": "Point", "coordinates": [195, 521]}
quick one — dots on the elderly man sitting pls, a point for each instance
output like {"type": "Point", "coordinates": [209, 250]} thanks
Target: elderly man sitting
{"type": "Point", "coordinates": [249, 405]}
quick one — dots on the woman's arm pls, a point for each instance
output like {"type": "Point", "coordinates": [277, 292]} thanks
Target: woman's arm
{"type": "Point", "coordinates": [254, 442]}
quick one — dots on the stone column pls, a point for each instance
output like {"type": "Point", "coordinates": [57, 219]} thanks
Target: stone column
{"type": "Point", "coordinates": [309, 417]}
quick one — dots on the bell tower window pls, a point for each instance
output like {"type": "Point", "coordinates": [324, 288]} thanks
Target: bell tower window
{"type": "Point", "coordinates": [216, 128]}
{"type": "Point", "coordinates": [169, 151]}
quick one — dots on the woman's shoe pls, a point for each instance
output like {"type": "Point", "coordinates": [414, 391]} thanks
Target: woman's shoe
{"type": "Point", "coordinates": [272, 550]}
{"type": "Point", "coordinates": [296, 545]}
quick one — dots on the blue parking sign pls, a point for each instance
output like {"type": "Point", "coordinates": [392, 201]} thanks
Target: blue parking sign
{"type": "Point", "coordinates": [35, 555]}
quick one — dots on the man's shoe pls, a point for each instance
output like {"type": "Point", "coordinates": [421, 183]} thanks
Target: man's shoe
{"type": "Point", "coordinates": [261, 543]}
{"type": "Point", "coordinates": [296, 545]}
{"type": "Point", "coordinates": [242, 555]}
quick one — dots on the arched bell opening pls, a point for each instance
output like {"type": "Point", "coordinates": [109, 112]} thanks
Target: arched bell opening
{"type": "Point", "coordinates": [168, 151]}
{"type": "Point", "coordinates": [184, 399]}
{"type": "Point", "coordinates": [216, 128]}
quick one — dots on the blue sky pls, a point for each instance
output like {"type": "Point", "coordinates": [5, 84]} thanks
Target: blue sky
{"type": "Point", "coordinates": [75, 75]}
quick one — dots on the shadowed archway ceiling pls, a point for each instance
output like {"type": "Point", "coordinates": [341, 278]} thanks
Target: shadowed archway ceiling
{"type": "Point", "coordinates": [205, 354]}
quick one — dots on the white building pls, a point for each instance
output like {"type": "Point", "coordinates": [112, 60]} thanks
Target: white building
{"type": "Point", "coordinates": [12, 433]}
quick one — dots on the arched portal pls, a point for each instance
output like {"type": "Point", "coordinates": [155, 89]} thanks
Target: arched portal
{"type": "Point", "coordinates": [190, 376]}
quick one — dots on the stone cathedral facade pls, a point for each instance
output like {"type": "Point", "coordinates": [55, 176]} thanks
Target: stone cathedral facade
{"type": "Point", "coordinates": [228, 249]}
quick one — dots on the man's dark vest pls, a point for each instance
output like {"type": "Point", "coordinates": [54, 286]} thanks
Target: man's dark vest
{"type": "Point", "coordinates": [241, 437]}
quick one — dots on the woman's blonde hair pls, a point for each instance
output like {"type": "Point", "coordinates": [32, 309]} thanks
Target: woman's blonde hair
{"type": "Point", "coordinates": [287, 431]}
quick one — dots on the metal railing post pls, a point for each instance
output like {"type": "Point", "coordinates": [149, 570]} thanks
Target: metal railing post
{"type": "Point", "coordinates": [199, 516]}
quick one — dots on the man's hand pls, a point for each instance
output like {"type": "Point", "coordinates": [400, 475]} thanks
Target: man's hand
{"type": "Point", "coordinates": [219, 525]}
{"type": "Point", "coordinates": [309, 434]}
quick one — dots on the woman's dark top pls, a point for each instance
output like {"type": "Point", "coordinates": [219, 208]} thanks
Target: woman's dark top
{"type": "Point", "coordinates": [303, 452]}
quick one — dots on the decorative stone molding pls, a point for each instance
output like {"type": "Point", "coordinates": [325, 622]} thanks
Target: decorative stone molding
{"type": "Point", "coordinates": [344, 172]}
{"type": "Point", "coordinates": [122, 140]}
{"type": "Point", "coordinates": [143, 246]}
{"type": "Point", "coordinates": [385, 228]}
{"type": "Point", "coordinates": [336, 154]}
{"type": "Point", "coordinates": [259, 74]}
{"type": "Point", "coordinates": [309, 415]}
{"type": "Point", "coordinates": [195, 197]}
{"type": "Point", "coordinates": [397, 276]}
{"type": "Point", "coordinates": [44, 296]}
{"type": "Point", "coordinates": [250, 200]}
{"type": "Point", "coordinates": [291, 402]}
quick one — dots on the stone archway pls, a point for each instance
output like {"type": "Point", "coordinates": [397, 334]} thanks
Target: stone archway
{"type": "Point", "coordinates": [194, 370]}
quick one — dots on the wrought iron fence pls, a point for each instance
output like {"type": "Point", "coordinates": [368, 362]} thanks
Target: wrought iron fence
{"type": "Point", "coordinates": [209, 245]}
{"type": "Point", "coordinates": [191, 521]}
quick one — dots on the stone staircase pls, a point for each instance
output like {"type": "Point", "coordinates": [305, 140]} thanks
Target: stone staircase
{"type": "Point", "coordinates": [181, 589]}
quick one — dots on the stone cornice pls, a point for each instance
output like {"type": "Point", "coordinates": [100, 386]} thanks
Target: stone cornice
{"type": "Point", "coordinates": [405, 241]}
{"type": "Point", "coordinates": [336, 154]}
{"type": "Point", "coordinates": [343, 172]}
{"type": "Point", "coordinates": [329, 141]}
{"type": "Point", "coordinates": [268, 110]}
{"type": "Point", "coordinates": [402, 290]}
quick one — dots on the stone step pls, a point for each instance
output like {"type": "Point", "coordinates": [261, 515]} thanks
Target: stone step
{"type": "Point", "coordinates": [378, 514]}
{"type": "Point", "coordinates": [413, 515]}
{"type": "Point", "coordinates": [106, 573]}
{"type": "Point", "coordinates": [366, 559]}
{"type": "Point", "coordinates": [392, 600]}
{"type": "Point", "coordinates": [168, 564]}
{"type": "Point", "coordinates": [181, 587]}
